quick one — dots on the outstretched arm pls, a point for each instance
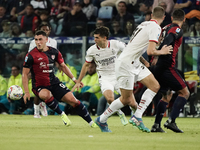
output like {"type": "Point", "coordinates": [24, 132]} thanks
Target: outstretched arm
{"type": "Point", "coordinates": [25, 73]}
{"type": "Point", "coordinates": [82, 74]}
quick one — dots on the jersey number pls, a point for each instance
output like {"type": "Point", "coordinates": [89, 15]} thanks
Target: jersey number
{"type": "Point", "coordinates": [135, 32]}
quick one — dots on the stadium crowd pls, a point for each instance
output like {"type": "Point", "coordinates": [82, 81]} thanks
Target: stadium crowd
{"type": "Point", "coordinates": [73, 18]}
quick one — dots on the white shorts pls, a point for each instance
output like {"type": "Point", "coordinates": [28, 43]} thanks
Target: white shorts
{"type": "Point", "coordinates": [129, 73]}
{"type": "Point", "coordinates": [109, 84]}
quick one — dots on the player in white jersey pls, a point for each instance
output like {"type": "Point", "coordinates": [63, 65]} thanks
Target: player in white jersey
{"type": "Point", "coordinates": [41, 106]}
{"type": "Point", "coordinates": [129, 69]}
{"type": "Point", "coordinates": [104, 53]}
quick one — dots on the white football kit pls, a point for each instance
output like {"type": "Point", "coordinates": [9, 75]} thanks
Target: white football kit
{"type": "Point", "coordinates": [105, 60]}
{"type": "Point", "coordinates": [51, 42]}
{"type": "Point", "coordinates": [128, 67]}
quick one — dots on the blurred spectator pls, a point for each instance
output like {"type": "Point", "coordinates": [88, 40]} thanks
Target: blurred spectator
{"type": "Point", "coordinates": [195, 13]}
{"type": "Point", "coordinates": [123, 16]}
{"type": "Point", "coordinates": [75, 21]}
{"type": "Point", "coordinates": [185, 29]}
{"type": "Point", "coordinates": [115, 30]}
{"type": "Point", "coordinates": [20, 49]}
{"type": "Point", "coordinates": [15, 79]}
{"type": "Point", "coordinates": [29, 33]}
{"type": "Point", "coordinates": [99, 22]}
{"type": "Point", "coordinates": [8, 5]}
{"type": "Point", "coordinates": [3, 16]}
{"type": "Point", "coordinates": [65, 6]}
{"type": "Point", "coordinates": [88, 8]}
{"type": "Point", "coordinates": [186, 5]}
{"type": "Point", "coordinates": [170, 5]}
{"type": "Point", "coordinates": [54, 10]}
{"type": "Point", "coordinates": [130, 27]}
{"type": "Point", "coordinates": [147, 16]}
{"type": "Point", "coordinates": [3, 98]}
{"type": "Point", "coordinates": [18, 9]}
{"type": "Point", "coordinates": [167, 19]}
{"type": "Point", "coordinates": [91, 91]}
{"type": "Point", "coordinates": [146, 5]}
{"type": "Point", "coordinates": [41, 5]}
{"type": "Point", "coordinates": [195, 32]}
{"type": "Point", "coordinates": [29, 21]}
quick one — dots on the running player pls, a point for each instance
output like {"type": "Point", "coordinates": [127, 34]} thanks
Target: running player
{"type": "Point", "coordinates": [104, 53]}
{"type": "Point", "coordinates": [168, 76]}
{"type": "Point", "coordinates": [129, 69]}
{"type": "Point", "coordinates": [41, 106]}
{"type": "Point", "coordinates": [40, 61]}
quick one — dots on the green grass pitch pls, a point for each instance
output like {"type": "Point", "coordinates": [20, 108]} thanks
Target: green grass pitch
{"type": "Point", "coordinates": [23, 132]}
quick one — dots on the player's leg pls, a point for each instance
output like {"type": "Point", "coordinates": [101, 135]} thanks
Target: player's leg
{"type": "Point", "coordinates": [179, 103]}
{"type": "Point", "coordinates": [161, 108]}
{"type": "Point", "coordinates": [79, 107]}
{"type": "Point", "coordinates": [36, 107]}
{"type": "Point", "coordinates": [52, 103]}
{"type": "Point", "coordinates": [177, 83]}
{"type": "Point", "coordinates": [109, 95]}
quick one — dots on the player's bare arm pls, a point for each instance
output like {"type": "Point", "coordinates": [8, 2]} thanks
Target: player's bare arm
{"type": "Point", "coordinates": [82, 74]}
{"type": "Point", "coordinates": [25, 79]}
{"type": "Point", "coordinates": [165, 50]}
{"type": "Point", "coordinates": [144, 61]}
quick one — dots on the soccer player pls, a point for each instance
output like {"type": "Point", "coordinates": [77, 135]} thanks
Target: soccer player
{"type": "Point", "coordinates": [104, 53]}
{"type": "Point", "coordinates": [130, 69]}
{"type": "Point", "coordinates": [168, 76]}
{"type": "Point", "coordinates": [41, 106]}
{"type": "Point", "coordinates": [40, 61]}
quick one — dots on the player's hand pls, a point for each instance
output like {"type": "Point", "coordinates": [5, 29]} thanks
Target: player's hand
{"type": "Point", "coordinates": [167, 49]}
{"type": "Point", "coordinates": [26, 96]}
{"type": "Point", "coordinates": [155, 59]}
{"type": "Point", "coordinates": [77, 86]}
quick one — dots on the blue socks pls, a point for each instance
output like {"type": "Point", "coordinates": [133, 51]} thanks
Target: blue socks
{"type": "Point", "coordinates": [161, 108]}
{"type": "Point", "coordinates": [177, 106]}
{"type": "Point", "coordinates": [53, 104]}
{"type": "Point", "coordinates": [82, 111]}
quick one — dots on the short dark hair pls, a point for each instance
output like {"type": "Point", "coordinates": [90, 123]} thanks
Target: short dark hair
{"type": "Point", "coordinates": [16, 66]}
{"type": "Point", "coordinates": [40, 32]}
{"type": "Point", "coordinates": [42, 25]}
{"type": "Point", "coordinates": [102, 31]}
{"type": "Point", "coordinates": [178, 15]}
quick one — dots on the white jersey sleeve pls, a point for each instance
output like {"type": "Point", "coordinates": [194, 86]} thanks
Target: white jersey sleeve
{"type": "Point", "coordinates": [32, 45]}
{"type": "Point", "coordinates": [154, 33]}
{"type": "Point", "coordinates": [89, 55]}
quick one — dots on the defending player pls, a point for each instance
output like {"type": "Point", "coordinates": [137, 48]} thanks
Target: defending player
{"type": "Point", "coordinates": [41, 106]}
{"type": "Point", "coordinates": [40, 61]}
{"type": "Point", "coordinates": [168, 76]}
{"type": "Point", "coordinates": [129, 69]}
{"type": "Point", "coordinates": [104, 53]}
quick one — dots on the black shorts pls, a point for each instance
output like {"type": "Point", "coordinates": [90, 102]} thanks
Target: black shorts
{"type": "Point", "coordinates": [57, 90]}
{"type": "Point", "coordinates": [169, 79]}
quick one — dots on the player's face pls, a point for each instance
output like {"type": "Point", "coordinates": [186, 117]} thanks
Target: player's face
{"type": "Point", "coordinates": [46, 30]}
{"type": "Point", "coordinates": [40, 42]}
{"type": "Point", "coordinates": [99, 40]}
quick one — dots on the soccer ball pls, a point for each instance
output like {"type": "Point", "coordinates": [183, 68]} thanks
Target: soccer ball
{"type": "Point", "coordinates": [15, 92]}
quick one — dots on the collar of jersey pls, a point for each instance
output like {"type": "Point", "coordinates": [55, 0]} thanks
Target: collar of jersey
{"type": "Point", "coordinates": [108, 46]}
{"type": "Point", "coordinates": [154, 20]}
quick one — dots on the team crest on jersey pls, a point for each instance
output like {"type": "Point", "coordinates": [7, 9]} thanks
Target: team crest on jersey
{"type": "Point", "coordinates": [53, 57]}
{"type": "Point", "coordinates": [26, 58]}
{"type": "Point", "coordinates": [178, 30]}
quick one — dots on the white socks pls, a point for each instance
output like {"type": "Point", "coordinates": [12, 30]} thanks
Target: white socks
{"type": "Point", "coordinates": [146, 99]}
{"type": "Point", "coordinates": [114, 106]}
{"type": "Point", "coordinates": [36, 110]}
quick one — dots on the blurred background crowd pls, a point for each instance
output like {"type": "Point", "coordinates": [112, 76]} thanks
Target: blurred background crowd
{"type": "Point", "coordinates": [78, 18]}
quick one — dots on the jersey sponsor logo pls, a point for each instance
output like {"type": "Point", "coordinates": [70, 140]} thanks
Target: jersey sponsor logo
{"type": "Point", "coordinates": [43, 65]}
{"type": "Point", "coordinates": [108, 61]}
{"type": "Point", "coordinates": [26, 58]}
{"type": "Point", "coordinates": [40, 58]}
{"type": "Point", "coordinates": [47, 71]}
{"type": "Point", "coordinates": [97, 54]}
{"type": "Point", "coordinates": [178, 30]}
